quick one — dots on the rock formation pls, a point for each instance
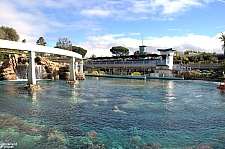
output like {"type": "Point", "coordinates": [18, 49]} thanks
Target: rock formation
{"type": "Point", "coordinates": [7, 69]}
{"type": "Point", "coordinates": [17, 67]}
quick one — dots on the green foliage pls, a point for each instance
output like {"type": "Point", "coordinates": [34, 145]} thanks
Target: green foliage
{"type": "Point", "coordinates": [203, 56]}
{"type": "Point", "coordinates": [183, 59]}
{"type": "Point", "coordinates": [93, 56]}
{"type": "Point", "coordinates": [187, 52]}
{"type": "Point", "coordinates": [222, 38]}
{"type": "Point", "coordinates": [222, 66]}
{"type": "Point", "coordinates": [2, 34]}
{"type": "Point", "coordinates": [79, 50]}
{"type": "Point", "coordinates": [119, 51]}
{"type": "Point", "coordinates": [8, 33]}
{"type": "Point", "coordinates": [64, 43]}
{"type": "Point", "coordinates": [3, 57]}
{"type": "Point", "coordinates": [190, 51]}
{"type": "Point", "coordinates": [41, 41]}
{"type": "Point", "coordinates": [208, 57]}
{"type": "Point", "coordinates": [177, 53]}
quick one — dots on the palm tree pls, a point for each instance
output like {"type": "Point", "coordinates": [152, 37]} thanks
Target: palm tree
{"type": "Point", "coordinates": [222, 38]}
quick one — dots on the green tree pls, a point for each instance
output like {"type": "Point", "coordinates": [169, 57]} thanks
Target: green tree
{"type": "Point", "coordinates": [222, 66]}
{"type": "Point", "coordinates": [1, 57]}
{"type": "Point", "coordinates": [8, 33]}
{"type": "Point", "coordinates": [93, 56]}
{"type": "Point", "coordinates": [64, 43]}
{"type": "Point", "coordinates": [79, 50]}
{"type": "Point", "coordinates": [187, 51]}
{"type": "Point", "coordinates": [41, 41]}
{"type": "Point", "coordinates": [176, 53]}
{"type": "Point", "coordinates": [2, 34]}
{"type": "Point", "coordinates": [119, 51]}
{"type": "Point", "coordinates": [222, 38]}
{"type": "Point", "coordinates": [185, 59]}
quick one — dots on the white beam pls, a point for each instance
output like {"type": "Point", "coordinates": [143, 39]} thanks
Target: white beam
{"type": "Point", "coordinates": [37, 48]}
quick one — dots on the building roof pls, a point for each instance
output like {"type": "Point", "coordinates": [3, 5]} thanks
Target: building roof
{"type": "Point", "coordinates": [170, 49]}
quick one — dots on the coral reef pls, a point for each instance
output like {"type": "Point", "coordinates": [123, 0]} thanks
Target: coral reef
{"type": "Point", "coordinates": [72, 137]}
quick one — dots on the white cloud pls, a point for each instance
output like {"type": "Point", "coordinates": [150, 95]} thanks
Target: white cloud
{"type": "Point", "coordinates": [33, 19]}
{"type": "Point", "coordinates": [109, 37]}
{"type": "Point", "coordinates": [219, 26]}
{"type": "Point", "coordinates": [140, 7]}
{"type": "Point", "coordinates": [144, 9]}
{"type": "Point", "coordinates": [134, 34]}
{"type": "Point", "coordinates": [222, 1]}
{"type": "Point", "coordinates": [174, 7]}
{"type": "Point", "coordinates": [174, 29]}
{"type": "Point", "coordinates": [95, 12]}
{"type": "Point", "coordinates": [101, 45]}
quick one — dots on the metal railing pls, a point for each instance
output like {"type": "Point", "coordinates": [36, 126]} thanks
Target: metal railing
{"type": "Point", "coordinates": [156, 62]}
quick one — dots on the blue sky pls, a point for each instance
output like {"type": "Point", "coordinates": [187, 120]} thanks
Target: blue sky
{"type": "Point", "coordinates": [97, 25]}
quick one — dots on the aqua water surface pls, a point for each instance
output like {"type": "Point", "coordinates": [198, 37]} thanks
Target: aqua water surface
{"type": "Point", "coordinates": [114, 113]}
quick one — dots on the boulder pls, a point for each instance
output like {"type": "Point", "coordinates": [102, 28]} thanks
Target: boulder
{"type": "Point", "coordinates": [7, 70]}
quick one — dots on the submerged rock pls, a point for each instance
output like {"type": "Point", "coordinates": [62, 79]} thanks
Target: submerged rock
{"type": "Point", "coordinates": [31, 87]}
{"type": "Point", "coordinates": [72, 131]}
{"type": "Point", "coordinates": [8, 120]}
{"type": "Point", "coordinates": [150, 146]}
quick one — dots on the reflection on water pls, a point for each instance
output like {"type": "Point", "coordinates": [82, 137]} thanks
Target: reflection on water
{"type": "Point", "coordinates": [119, 113]}
{"type": "Point", "coordinates": [33, 95]}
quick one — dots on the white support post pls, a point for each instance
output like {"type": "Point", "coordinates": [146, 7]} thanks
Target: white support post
{"type": "Point", "coordinates": [81, 68]}
{"type": "Point", "coordinates": [76, 67]}
{"type": "Point", "coordinates": [31, 70]}
{"type": "Point", "coordinates": [72, 71]}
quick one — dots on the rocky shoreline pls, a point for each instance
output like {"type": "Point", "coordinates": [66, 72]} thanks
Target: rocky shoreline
{"type": "Point", "coordinates": [18, 64]}
{"type": "Point", "coordinates": [191, 75]}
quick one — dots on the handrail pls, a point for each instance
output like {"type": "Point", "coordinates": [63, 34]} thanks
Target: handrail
{"type": "Point", "coordinates": [163, 62]}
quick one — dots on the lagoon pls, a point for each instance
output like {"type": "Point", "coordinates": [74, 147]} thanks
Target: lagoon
{"type": "Point", "coordinates": [119, 113]}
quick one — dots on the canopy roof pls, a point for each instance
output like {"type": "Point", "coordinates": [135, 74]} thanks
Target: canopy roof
{"type": "Point", "coordinates": [169, 49]}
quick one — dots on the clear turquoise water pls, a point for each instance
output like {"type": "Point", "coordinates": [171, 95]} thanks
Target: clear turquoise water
{"type": "Point", "coordinates": [124, 113]}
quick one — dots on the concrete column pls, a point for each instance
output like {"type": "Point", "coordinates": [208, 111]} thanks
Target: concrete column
{"type": "Point", "coordinates": [81, 68]}
{"type": "Point", "coordinates": [72, 71]}
{"type": "Point", "coordinates": [31, 69]}
{"type": "Point", "coordinates": [76, 67]}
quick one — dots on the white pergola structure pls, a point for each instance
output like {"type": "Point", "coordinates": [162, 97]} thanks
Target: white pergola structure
{"type": "Point", "coordinates": [32, 48]}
